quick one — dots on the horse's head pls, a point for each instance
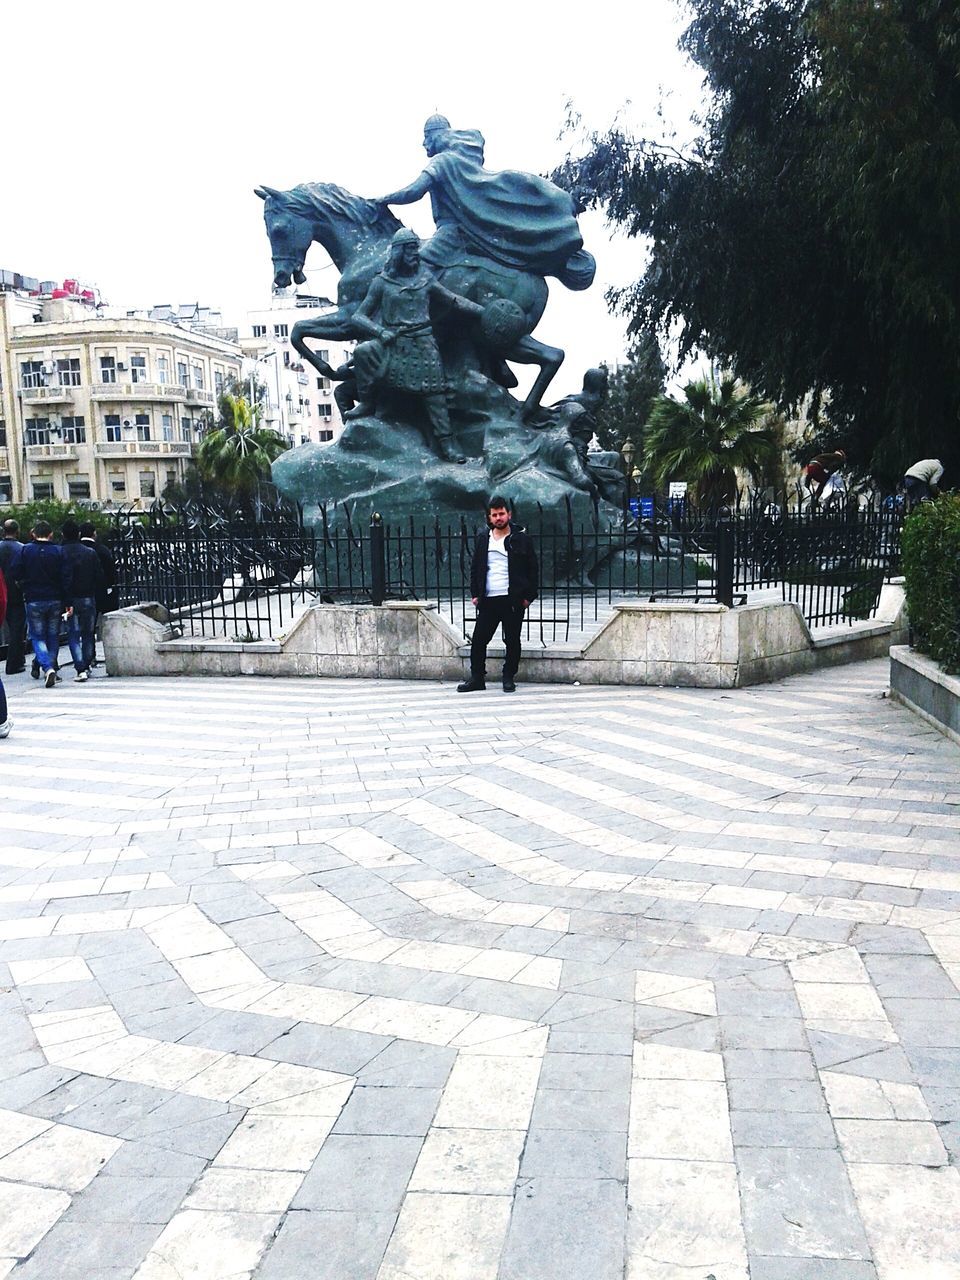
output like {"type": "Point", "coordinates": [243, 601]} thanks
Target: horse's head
{"type": "Point", "coordinates": [291, 234]}
{"type": "Point", "coordinates": [320, 211]}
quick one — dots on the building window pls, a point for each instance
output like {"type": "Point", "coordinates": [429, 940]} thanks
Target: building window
{"type": "Point", "coordinates": [42, 489]}
{"type": "Point", "coordinates": [112, 429]}
{"type": "Point", "coordinates": [171, 479]}
{"type": "Point", "coordinates": [259, 330]}
{"type": "Point", "coordinates": [108, 369]}
{"type": "Point", "coordinates": [281, 330]}
{"type": "Point", "coordinates": [183, 373]}
{"type": "Point", "coordinates": [73, 431]}
{"type": "Point", "coordinates": [324, 435]}
{"type": "Point", "coordinates": [148, 484]}
{"type": "Point", "coordinates": [118, 486]}
{"type": "Point", "coordinates": [166, 425]}
{"type": "Point", "coordinates": [143, 426]}
{"type": "Point", "coordinates": [78, 487]}
{"type": "Point", "coordinates": [325, 410]}
{"type": "Point", "coordinates": [324, 355]}
{"type": "Point", "coordinates": [3, 434]}
{"type": "Point", "coordinates": [198, 376]}
{"type": "Point", "coordinates": [31, 374]}
{"type": "Point", "coordinates": [286, 359]}
{"type": "Point", "coordinates": [186, 430]}
{"type": "Point", "coordinates": [163, 370]}
{"type": "Point", "coordinates": [218, 382]}
{"type": "Point", "coordinates": [323, 384]}
{"type": "Point", "coordinates": [6, 489]}
{"type": "Point", "coordinates": [68, 372]}
{"type": "Point", "coordinates": [38, 431]}
{"type": "Point", "coordinates": [138, 368]}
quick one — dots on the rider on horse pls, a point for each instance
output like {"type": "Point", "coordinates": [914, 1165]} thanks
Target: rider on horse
{"type": "Point", "coordinates": [517, 219]}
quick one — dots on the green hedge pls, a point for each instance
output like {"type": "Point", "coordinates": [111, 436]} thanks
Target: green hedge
{"type": "Point", "coordinates": [931, 566]}
{"type": "Point", "coordinates": [54, 512]}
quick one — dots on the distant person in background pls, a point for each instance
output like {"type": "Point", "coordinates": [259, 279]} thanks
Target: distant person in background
{"type": "Point", "coordinates": [820, 469]}
{"type": "Point", "coordinates": [44, 578]}
{"type": "Point", "coordinates": [922, 480]}
{"type": "Point", "coordinates": [6, 724]}
{"type": "Point", "coordinates": [86, 582]}
{"type": "Point", "coordinates": [11, 549]}
{"type": "Point", "coordinates": [107, 597]}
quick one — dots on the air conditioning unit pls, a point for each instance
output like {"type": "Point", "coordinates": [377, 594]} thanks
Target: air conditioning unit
{"type": "Point", "coordinates": [48, 369]}
{"type": "Point", "coordinates": [127, 423]}
{"type": "Point", "coordinates": [122, 367]}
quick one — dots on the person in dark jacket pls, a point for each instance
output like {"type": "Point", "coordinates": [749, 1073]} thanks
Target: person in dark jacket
{"type": "Point", "coordinates": [86, 584]}
{"type": "Point", "coordinates": [44, 578]}
{"type": "Point", "coordinates": [504, 579]}
{"type": "Point", "coordinates": [11, 549]}
{"type": "Point", "coordinates": [6, 724]}
{"type": "Point", "coordinates": [107, 597]}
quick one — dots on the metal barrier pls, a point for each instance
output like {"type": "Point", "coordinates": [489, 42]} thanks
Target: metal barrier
{"type": "Point", "coordinates": [249, 579]}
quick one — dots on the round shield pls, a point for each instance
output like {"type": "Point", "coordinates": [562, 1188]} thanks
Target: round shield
{"type": "Point", "coordinates": [502, 324]}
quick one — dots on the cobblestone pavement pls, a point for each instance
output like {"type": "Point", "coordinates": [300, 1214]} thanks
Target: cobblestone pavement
{"type": "Point", "coordinates": [352, 980]}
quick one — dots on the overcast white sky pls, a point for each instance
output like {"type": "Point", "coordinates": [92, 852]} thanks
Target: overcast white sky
{"type": "Point", "coordinates": [140, 130]}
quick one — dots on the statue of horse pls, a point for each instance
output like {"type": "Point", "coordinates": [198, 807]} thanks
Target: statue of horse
{"type": "Point", "coordinates": [356, 233]}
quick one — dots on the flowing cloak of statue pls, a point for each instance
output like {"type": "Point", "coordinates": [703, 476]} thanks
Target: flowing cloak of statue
{"type": "Point", "coordinates": [518, 219]}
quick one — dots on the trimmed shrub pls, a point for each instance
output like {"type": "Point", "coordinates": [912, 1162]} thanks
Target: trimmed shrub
{"type": "Point", "coordinates": [931, 566]}
{"type": "Point", "coordinates": [54, 512]}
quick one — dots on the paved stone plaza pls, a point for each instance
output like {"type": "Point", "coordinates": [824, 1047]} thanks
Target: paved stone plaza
{"type": "Point", "coordinates": [320, 980]}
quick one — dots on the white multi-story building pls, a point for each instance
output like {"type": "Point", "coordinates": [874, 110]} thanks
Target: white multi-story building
{"type": "Point", "coordinates": [299, 402]}
{"type": "Point", "coordinates": [102, 405]}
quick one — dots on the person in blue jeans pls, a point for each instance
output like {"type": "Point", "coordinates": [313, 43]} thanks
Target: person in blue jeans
{"type": "Point", "coordinates": [86, 584]}
{"type": "Point", "coordinates": [6, 724]}
{"type": "Point", "coordinates": [44, 578]}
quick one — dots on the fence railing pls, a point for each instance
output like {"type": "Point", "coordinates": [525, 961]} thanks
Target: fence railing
{"type": "Point", "coordinates": [250, 579]}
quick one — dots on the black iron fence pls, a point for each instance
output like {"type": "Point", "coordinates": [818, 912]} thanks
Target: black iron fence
{"type": "Point", "coordinates": [249, 579]}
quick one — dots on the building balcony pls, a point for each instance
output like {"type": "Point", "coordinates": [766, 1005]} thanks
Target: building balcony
{"type": "Point", "coordinates": [138, 391]}
{"type": "Point", "coordinates": [195, 396]}
{"type": "Point", "coordinates": [51, 452]}
{"type": "Point", "coordinates": [143, 449]}
{"type": "Point", "coordinates": [48, 395]}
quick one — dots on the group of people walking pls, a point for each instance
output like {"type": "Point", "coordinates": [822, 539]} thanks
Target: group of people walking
{"type": "Point", "coordinates": [44, 583]}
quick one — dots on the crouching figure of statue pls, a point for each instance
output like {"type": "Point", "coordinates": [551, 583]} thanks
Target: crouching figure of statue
{"type": "Point", "coordinates": [401, 353]}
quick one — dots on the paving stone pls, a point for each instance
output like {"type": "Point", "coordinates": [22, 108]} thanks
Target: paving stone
{"type": "Point", "coordinates": [388, 1110]}
{"type": "Point", "coordinates": [555, 1220]}
{"type": "Point", "coordinates": [359, 1174]}
{"type": "Point", "coordinates": [328, 1246]}
{"type": "Point", "coordinates": [799, 1203]}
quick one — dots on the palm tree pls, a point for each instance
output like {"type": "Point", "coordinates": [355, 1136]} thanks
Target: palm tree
{"type": "Point", "coordinates": [719, 428]}
{"type": "Point", "coordinates": [236, 455]}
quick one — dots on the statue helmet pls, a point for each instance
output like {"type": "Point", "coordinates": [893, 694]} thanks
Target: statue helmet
{"type": "Point", "coordinates": [436, 124]}
{"type": "Point", "coordinates": [404, 236]}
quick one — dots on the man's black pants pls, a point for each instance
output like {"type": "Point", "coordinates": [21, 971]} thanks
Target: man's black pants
{"type": "Point", "coordinates": [16, 637]}
{"type": "Point", "coordinates": [493, 612]}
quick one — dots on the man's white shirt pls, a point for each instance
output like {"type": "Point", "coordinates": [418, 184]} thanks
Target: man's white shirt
{"type": "Point", "coordinates": [498, 573]}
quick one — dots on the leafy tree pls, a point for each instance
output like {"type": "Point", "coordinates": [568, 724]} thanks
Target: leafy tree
{"type": "Point", "coordinates": [808, 238]}
{"type": "Point", "coordinates": [235, 457]}
{"type": "Point", "coordinates": [717, 429]}
{"type": "Point", "coordinates": [55, 513]}
{"type": "Point", "coordinates": [634, 385]}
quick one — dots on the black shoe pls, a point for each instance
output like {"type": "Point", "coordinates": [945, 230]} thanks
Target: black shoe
{"type": "Point", "coordinates": [15, 671]}
{"type": "Point", "coordinates": [471, 686]}
{"type": "Point", "coordinates": [35, 670]}
{"type": "Point", "coordinates": [509, 686]}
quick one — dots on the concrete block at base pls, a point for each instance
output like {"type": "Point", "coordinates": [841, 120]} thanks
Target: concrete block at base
{"type": "Point", "coordinates": [130, 639]}
{"type": "Point", "coordinates": [919, 683]}
{"type": "Point", "coordinates": [658, 643]}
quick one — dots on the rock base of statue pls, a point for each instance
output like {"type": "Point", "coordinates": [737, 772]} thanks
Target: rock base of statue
{"type": "Point", "coordinates": [384, 463]}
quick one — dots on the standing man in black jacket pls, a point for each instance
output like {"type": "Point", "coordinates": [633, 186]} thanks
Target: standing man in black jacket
{"type": "Point", "coordinates": [86, 583]}
{"type": "Point", "coordinates": [11, 549]}
{"type": "Point", "coordinates": [504, 578]}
